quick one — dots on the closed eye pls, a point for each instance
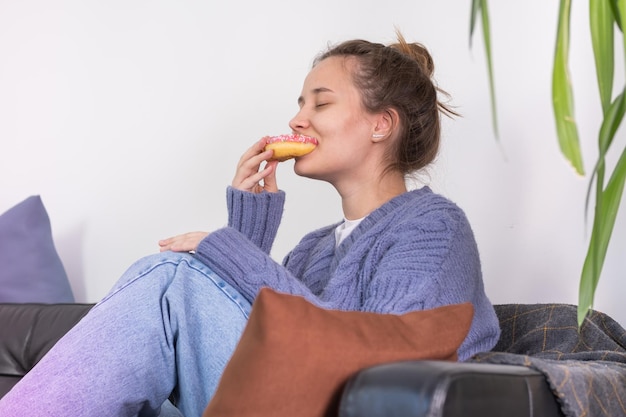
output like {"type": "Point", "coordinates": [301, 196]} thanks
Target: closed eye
{"type": "Point", "coordinates": [321, 105]}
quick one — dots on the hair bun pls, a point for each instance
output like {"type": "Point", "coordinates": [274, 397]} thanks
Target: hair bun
{"type": "Point", "coordinates": [416, 51]}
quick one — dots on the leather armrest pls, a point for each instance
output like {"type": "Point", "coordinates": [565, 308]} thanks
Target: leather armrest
{"type": "Point", "coordinates": [28, 331]}
{"type": "Point", "coordinates": [447, 389]}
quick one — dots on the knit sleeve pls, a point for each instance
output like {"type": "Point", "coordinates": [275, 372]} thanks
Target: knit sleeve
{"type": "Point", "coordinates": [256, 215]}
{"type": "Point", "coordinates": [243, 265]}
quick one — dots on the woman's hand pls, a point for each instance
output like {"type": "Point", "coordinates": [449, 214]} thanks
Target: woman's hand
{"type": "Point", "coordinates": [249, 176]}
{"type": "Point", "coordinates": [182, 243]}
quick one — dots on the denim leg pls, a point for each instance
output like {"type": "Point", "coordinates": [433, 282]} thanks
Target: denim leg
{"type": "Point", "coordinates": [168, 410]}
{"type": "Point", "coordinates": [168, 324]}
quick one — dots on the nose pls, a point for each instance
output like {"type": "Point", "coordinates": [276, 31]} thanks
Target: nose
{"type": "Point", "coordinates": [300, 121]}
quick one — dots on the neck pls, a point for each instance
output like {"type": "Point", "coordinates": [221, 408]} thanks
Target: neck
{"type": "Point", "coordinates": [359, 200]}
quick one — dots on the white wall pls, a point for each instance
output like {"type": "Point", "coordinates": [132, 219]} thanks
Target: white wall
{"type": "Point", "coordinates": [128, 118]}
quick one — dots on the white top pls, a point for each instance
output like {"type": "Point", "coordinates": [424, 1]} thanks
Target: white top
{"type": "Point", "coordinates": [344, 229]}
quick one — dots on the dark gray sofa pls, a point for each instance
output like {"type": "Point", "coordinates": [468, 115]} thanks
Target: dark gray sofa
{"type": "Point", "coordinates": [518, 378]}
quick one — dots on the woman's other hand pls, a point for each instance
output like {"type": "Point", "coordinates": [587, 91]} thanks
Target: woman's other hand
{"type": "Point", "coordinates": [249, 176]}
{"type": "Point", "coordinates": [186, 242]}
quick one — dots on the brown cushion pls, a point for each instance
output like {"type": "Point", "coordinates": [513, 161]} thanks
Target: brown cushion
{"type": "Point", "coordinates": [293, 357]}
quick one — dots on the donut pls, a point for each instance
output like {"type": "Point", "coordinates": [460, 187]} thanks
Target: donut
{"type": "Point", "coordinates": [290, 146]}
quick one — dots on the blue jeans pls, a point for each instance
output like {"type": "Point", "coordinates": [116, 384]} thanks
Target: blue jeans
{"type": "Point", "coordinates": [169, 325]}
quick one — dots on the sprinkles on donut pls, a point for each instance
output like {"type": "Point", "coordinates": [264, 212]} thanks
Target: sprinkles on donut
{"type": "Point", "coordinates": [289, 146]}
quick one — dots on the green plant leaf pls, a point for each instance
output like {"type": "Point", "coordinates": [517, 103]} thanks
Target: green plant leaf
{"type": "Point", "coordinates": [604, 222]}
{"type": "Point", "coordinates": [480, 6]}
{"type": "Point", "coordinates": [602, 15]}
{"type": "Point", "coordinates": [473, 18]}
{"type": "Point", "coordinates": [562, 95]}
{"type": "Point", "coordinates": [601, 21]}
{"type": "Point", "coordinates": [616, 13]}
{"type": "Point", "coordinates": [594, 259]}
{"type": "Point", "coordinates": [487, 40]}
{"type": "Point", "coordinates": [608, 199]}
{"type": "Point", "coordinates": [611, 122]}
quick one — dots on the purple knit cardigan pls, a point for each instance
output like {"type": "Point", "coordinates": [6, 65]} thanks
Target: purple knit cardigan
{"type": "Point", "coordinates": [415, 252]}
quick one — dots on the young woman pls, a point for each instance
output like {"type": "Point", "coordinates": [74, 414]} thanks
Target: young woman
{"type": "Point", "coordinates": [173, 320]}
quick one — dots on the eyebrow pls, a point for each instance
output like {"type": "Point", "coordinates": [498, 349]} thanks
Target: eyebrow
{"type": "Point", "coordinates": [315, 92]}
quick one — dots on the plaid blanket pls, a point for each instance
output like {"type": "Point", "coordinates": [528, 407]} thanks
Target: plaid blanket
{"type": "Point", "coordinates": [586, 369]}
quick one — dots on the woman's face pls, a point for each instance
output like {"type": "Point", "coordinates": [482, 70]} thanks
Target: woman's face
{"type": "Point", "coordinates": [331, 111]}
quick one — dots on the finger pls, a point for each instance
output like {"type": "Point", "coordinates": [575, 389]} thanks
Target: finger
{"type": "Point", "coordinates": [165, 242]}
{"type": "Point", "coordinates": [254, 150]}
{"type": "Point", "coordinates": [254, 162]}
{"type": "Point", "coordinates": [249, 169]}
{"type": "Point", "coordinates": [250, 162]}
{"type": "Point", "coordinates": [251, 183]}
{"type": "Point", "coordinates": [181, 243]}
{"type": "Point", "coordinates": [269, 180]}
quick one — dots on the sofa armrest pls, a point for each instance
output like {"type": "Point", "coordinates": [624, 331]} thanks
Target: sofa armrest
{"type": "Point", "coordinates": [28, 331]}
{"type": "Point", "coordinates": [447, 389]}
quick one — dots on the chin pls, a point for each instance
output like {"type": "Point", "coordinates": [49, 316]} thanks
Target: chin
{"type": "Point", "coordinates": [300, 167]}
{"type": "Point", "coordinates": [305, 167]}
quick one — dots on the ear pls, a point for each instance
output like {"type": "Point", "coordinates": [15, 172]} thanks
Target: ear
{"type": "Point", "coordinates": [384, 125]}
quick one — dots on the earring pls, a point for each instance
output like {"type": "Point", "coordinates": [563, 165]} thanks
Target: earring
{"type": "Point", "coordinates": [378, 135]}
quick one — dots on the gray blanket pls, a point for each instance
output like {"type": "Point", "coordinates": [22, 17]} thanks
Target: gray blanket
{"type": "Point", "coordinates": [586, 370]}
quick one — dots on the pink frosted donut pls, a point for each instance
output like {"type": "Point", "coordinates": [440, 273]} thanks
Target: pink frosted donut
{"type": "Point", "coordinates": [290, 146]}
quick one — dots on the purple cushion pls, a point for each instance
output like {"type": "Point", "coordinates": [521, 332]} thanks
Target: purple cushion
{"type": "Point", "coordinates": [30, 268]}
